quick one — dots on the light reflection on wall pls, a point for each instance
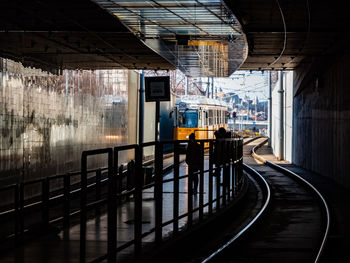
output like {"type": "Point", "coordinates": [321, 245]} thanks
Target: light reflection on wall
{"type": "Point", "coordinates": [46, 121]}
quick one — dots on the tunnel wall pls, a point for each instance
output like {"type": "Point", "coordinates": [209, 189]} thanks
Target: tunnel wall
{"type": "Point", "coordinates": [46, 120]}
{"type": "Point", "coordinates": [322, 117]}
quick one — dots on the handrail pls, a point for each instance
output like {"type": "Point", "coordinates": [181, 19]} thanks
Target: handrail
{"type": "Point", "coordinates": [231, 167]}
{"type": "Point", "coordinates": [234, 160]}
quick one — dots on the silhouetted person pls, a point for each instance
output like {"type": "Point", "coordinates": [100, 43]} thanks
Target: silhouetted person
{"type": "Point", "coordinates": [222, 132]}
{"type": "Point", "coordinates": [193, 160]}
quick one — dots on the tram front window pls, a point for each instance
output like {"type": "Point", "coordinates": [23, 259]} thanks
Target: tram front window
{"type": "Point", "coordinates": [188, 119]}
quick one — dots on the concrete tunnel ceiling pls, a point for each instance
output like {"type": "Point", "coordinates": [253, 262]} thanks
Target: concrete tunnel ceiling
{"type": "Point", "coordinates": [81, 35]}
{"type": "Point", "coordinates": [65, 34]}
{"type": "Point", "coordinates": [200, 37]}
{"type": "Point", "coordinates": [283, 34]}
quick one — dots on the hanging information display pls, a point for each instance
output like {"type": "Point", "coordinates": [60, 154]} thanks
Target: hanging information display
{"type": "Point", "coordinates": [157, 88]}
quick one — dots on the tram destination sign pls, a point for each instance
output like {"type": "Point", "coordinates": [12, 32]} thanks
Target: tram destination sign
{"type": "Point", "coordinates": [157, 88]}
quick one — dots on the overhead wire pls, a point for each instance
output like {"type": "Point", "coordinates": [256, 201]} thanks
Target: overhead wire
{"type": "Point", "coordinates": [285, 34]}
{"type": "Point", "coordinates": [308, 31]}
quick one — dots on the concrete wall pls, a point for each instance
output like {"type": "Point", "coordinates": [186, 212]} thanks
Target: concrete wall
{"type": "Point", "coordinates": [46, 120]}
{"type": "Point", "coordinates": [287, 114]}
{"type": "Point", "coordinates": [322, 117]}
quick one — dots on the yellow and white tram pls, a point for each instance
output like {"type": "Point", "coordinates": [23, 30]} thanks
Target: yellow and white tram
{"type": "Point", "coordinates": [199, 115]}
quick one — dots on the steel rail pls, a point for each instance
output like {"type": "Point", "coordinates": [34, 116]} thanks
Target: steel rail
{"type": "Point", "coordinates": [251, 140]}
{"type": "Point", "coordinates": [305, 182]}
{"type": "Point", "coordinates": [266, 188]}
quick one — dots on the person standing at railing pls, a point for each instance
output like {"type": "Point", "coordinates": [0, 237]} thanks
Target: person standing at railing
{"type": "Point", "coordinates": [218, 158]}
{"type": "Point", "coordinates": [193, 160]}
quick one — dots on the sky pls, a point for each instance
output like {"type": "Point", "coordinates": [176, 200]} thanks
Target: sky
{"type": "Point", "coordinates": [246, 83]}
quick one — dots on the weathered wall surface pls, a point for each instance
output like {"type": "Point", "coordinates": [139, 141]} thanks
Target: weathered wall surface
{"type": "Point", "coordinates": [46, 121]}
{"type": "Point", "coordinates": [322, 118]}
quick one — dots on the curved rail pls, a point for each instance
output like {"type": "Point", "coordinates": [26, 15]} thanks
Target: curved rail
{"type": "Point", "coordinates": [298, 177]}
{"type": "Point", "coordinates": [266, 189]}
{"type": "Point", "coordinates": [251, 140]}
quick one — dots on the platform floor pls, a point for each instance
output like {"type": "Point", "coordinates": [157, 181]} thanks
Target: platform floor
{"type": "Point", "coordinates": [64, 247]}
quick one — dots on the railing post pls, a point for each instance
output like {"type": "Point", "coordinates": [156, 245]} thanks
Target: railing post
{"type": "Point", "coordinates": [130, 179]}
{"type": "Point", "coordinates": [176, 187]}
{"type": "Point", "coordinates": [66, 202]}
{"type": "Point", "coordinates": [45, 200]}
{"type": "Point", "coordinates": [233, 149]}
{"type": "Point", "coordinates": [83, 200]}
{"type": "Point", "coordinates": [16, 214]}
{"type": "Point", "coordinates": [235, 167]}
{"type": "Point", "coordinates": [189, 196]}
{"type": "Point", "coordinates": [201, 183]}
{"type": "Point", "coordinates": [21, 208]}
{"type": "Point", "coordinates": [120, 180]}
{"type": "Point", "coordinates": [138, 202]}
{"type": "Point", "coordinates": [229, 150]}
{"type": "Point", "coordinates": [98, 179]}
{"type": "Point", "coordinates": [98, 189]}
{"type": "Point", "coordinates": [83, 214]}
{"type": "Point", "coordinates": [112, 208]}
{"type": "Point", "coordinates": [210, 186]}
{"type": "Point", "coordinates": [232, 168]}
{"type": "Point", "coordinates": [240, 162]}
{"type": "Point", "coordinates": [223, 158]}
{"type": "Point", "coordinates": [158, 188]}
{"type": "Point", "coordinates": [218, 172]}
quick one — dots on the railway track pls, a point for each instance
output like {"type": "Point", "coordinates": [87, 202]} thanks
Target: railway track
{"type": "Point", "coordinates": [291, 226]}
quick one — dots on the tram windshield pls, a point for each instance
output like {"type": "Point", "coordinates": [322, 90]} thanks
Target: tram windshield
{"type": "Point", "coordinates": [188, 118]}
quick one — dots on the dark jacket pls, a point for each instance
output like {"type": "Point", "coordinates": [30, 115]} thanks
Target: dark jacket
{"type": "Point", "coordinates": [193, 154]}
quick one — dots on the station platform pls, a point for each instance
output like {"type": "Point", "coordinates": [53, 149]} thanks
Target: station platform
{"type": "Point", "coordinates": [64, 246]}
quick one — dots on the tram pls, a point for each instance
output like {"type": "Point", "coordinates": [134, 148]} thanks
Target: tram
{"type": "Point", "coordinates": [199, 115]}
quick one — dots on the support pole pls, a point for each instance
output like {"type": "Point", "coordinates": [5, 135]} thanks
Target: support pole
{"type": "Point", "coordinates": [270, 109]}
{"type": "Point", "coordinates": [156, 134]}
{"type": "Point", "coordinates": [281, 137]}
{"type": "Point", "coordinates": [141, 107]}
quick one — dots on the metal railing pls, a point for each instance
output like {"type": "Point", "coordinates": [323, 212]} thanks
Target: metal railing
{"type": "Point", "coordinates": [105, 188]}
{"type": "Point", "coordinates": [24, 213]}
{"type": "Point", "coordinates": [51, 205]}
{"type": "Point", "coordinates": [228, 176]}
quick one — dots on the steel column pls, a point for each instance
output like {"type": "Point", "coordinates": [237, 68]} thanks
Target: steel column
{"type": "Point", "coordinates": [281, 130]}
